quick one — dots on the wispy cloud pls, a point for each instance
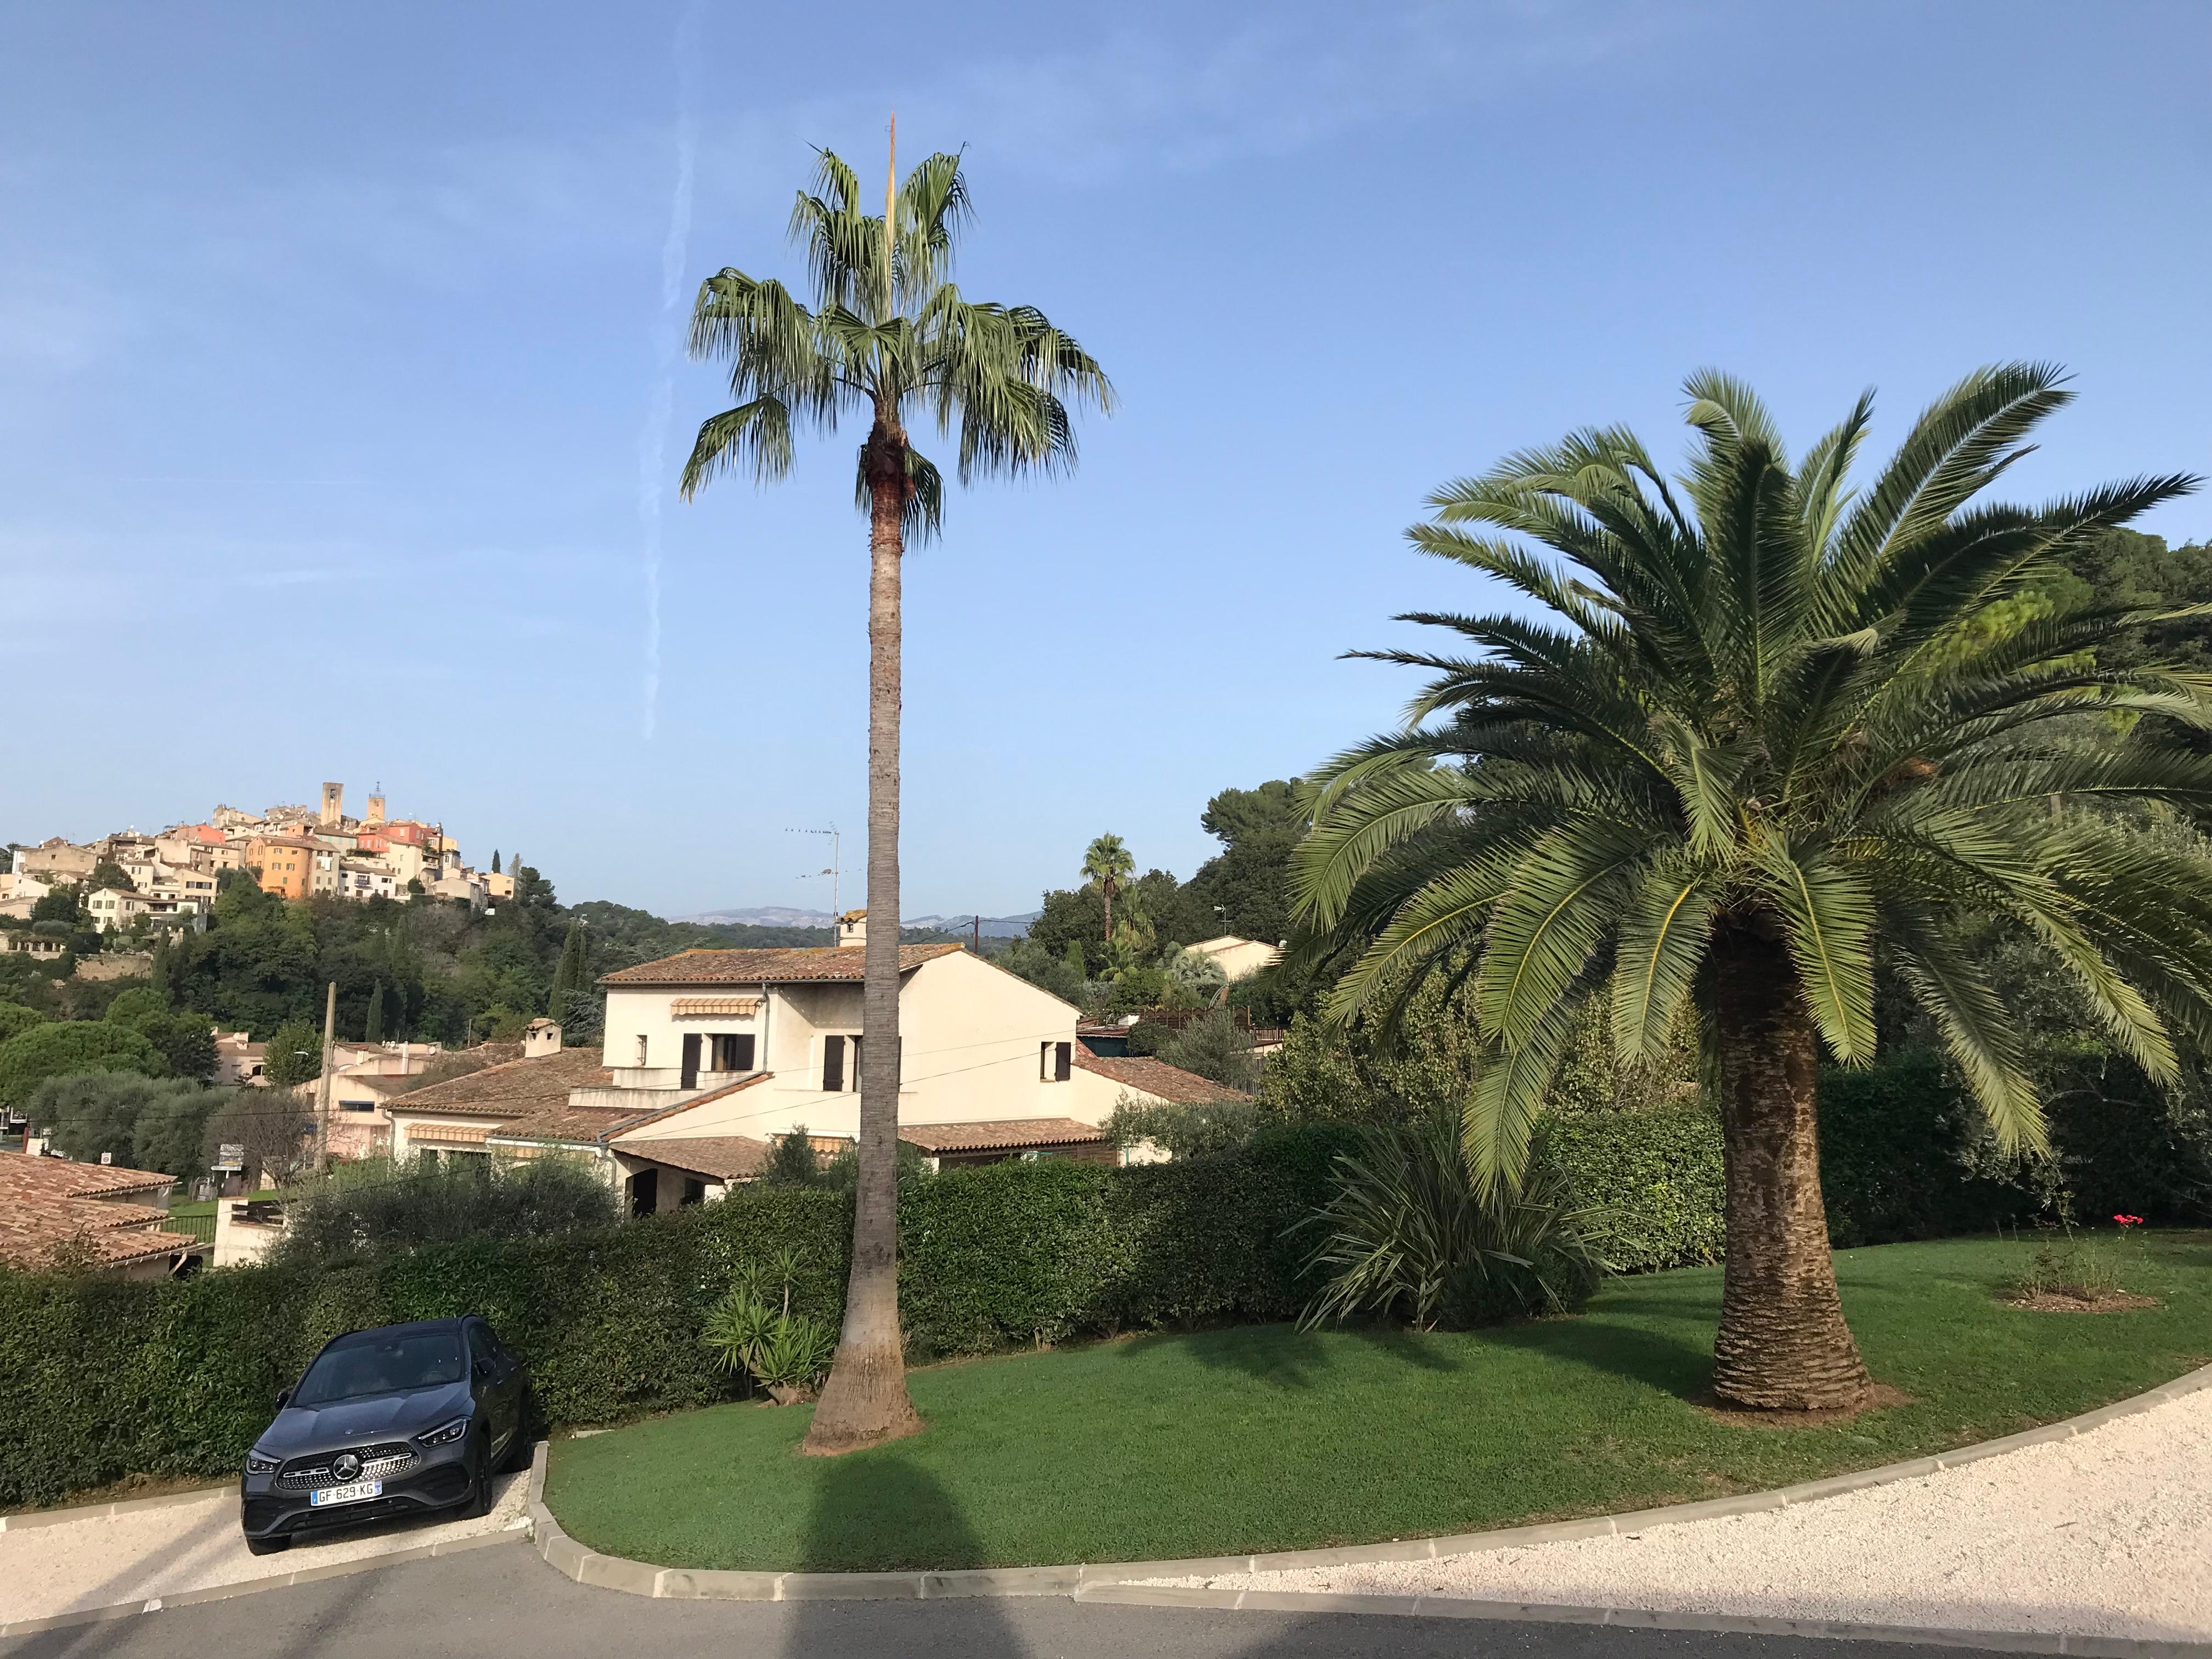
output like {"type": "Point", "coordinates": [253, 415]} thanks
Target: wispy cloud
{"type": "Point", "coordinates": [652, 439]}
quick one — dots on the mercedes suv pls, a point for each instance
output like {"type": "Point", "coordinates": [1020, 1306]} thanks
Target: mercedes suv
{"type": "Point", "coordinates": [402, 1419]}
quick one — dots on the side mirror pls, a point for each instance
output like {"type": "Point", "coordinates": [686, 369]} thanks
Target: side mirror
{"type": "Point", "coordinates": [282, 1395]}
{"type": "Point", "coordinates": [486, 1369]}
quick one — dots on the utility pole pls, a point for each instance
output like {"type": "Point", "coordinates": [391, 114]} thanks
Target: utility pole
{"type": "Point", "coordinates": [323, 1087]}
{"type": "Point", "coordinates": [978, 946]}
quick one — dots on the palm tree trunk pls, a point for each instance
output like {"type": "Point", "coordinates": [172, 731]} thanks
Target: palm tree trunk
{"type": "Point", "coordinates": [864, 1402]}
{"type": "Point", "coordinates": [1783, 1343]}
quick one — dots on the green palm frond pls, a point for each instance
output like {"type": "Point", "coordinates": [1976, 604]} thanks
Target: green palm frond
{"type": "Point", "coordinates": [892, 343]}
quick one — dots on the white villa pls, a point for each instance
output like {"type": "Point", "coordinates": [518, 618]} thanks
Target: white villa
{"type": "Point", "coordinates": [707, 1053]}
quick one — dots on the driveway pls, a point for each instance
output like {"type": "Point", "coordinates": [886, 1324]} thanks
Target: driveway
{"type": "Point", "coordinates": [502, 1602]}
{"type": "Point", "coordinates": [144, 1554]}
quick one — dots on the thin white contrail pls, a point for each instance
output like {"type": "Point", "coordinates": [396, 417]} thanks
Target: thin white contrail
{"type": "Point", "coordinates": [652, 439]}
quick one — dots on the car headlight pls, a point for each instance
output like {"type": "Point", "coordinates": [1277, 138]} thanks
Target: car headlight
{"type": "Point", "coordinates": [445, 1435]}
{"type": "Point", "coordinates": [258, 1464]}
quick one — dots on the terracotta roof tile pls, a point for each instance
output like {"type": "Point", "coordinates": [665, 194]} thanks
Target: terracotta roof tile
{"type": "Point", "coordinates": [45, 1203]}
{"type": "Point", "coordinates": [576, 1123]}
{"type": "Point", "coordinates": [725, 1158]}
{"type": "Point", "coordinates": [841, 962]}
{"type": "Point", "coordinates": [518, 1088]}
{"type": "Point", "coordinates": [1007, 1135]}
{"type": "Point", "coordinates": [1158, 1078]}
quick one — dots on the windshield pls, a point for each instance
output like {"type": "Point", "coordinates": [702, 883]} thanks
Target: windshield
{"type": "Point", "coordinates": [382, 1364]}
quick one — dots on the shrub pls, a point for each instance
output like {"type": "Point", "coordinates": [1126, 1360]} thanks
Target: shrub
{"type": "Point", "coordinates": [1215, 1048]}
{"type": "Point", "coordinates": [376, 1205]}
{"type": "Point", "coordinates": [1656, 1175]}
{"type": "Point", "coordinates": [1407, 1236]}
{"type": "Point", "coordinates": [1197, 1131]}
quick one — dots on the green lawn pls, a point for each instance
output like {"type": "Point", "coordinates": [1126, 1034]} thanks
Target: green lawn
{"type": "Point", "coordinates": [1262, 1438]}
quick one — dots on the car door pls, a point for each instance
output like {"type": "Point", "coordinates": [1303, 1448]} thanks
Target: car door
{"type": "Point", "coordinates": [493, 1379]}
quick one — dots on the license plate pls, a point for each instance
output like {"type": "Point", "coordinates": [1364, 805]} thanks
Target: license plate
{"type": "Point", "coordinates": [353, 1494]}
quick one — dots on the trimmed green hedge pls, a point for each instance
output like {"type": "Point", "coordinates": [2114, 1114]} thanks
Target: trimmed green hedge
{"type": "Point", "coordinates": [1657, 1175]}
{"type": "Point", "coordinates": [108, 1379]}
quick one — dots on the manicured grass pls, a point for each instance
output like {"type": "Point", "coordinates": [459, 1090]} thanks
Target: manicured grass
{"type": "Point", "coordinates": [1263, 1438]}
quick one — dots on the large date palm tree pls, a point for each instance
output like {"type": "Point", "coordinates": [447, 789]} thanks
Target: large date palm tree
{"type": "Point", "coordinates": [1768, 720]}
{"type": "Point", "coordinates": [887, 338]}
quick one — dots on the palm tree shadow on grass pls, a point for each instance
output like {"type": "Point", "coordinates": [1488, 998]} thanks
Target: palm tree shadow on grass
{"type": "Point", "coordinates": [1286, 1357]}
{"type": "Point", "coordinates": [875, 1511]}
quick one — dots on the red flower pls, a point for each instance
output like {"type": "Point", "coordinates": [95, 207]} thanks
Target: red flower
{"type": "Point", "coordinates": [2129, 1220]}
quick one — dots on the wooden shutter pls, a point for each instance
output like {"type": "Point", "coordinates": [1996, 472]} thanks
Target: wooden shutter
{"type": "Point", "coordinates": [741, 1053]}
{"type": "Point", "coordinates": [833, 1064]}
{"type": "Point", "coordinates": [1063, 1060]}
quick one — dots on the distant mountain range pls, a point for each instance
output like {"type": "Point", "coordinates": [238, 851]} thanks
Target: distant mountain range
{"type": "Point", "coordinates": [777, 916]}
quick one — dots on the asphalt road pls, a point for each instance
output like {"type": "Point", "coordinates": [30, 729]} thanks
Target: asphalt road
{"type": "Point", "coordinates": [502, 1602]}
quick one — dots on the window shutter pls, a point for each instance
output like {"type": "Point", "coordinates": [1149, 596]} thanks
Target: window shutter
{"type": "Point", "coordinates": [741, 1053]}
{"type": "Point", "coordinates": [833, 1064]}
{"type": "Point", "coordinates": [1063, 1060]}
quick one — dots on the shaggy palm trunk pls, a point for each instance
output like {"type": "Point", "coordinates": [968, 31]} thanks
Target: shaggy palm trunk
{"type": "Point", "coordinates": [1783, 1343]}
{"type": "Point", "coordinates": [865, 1401]}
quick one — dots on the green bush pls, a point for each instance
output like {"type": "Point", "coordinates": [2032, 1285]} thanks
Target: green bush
{"type": "Point", "coordinates": [1655, 1175]}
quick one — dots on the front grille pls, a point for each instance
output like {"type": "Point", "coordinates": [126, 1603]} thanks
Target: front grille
{"type": "Point", "coordinates": [378, 1462]}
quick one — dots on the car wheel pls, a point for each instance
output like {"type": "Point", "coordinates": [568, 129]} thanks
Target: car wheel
{"type": "Point", "coordinates": [266, 1545]}
{"type": "Point", "coordinates": [480, 1492]}
{"type": "Point", "coordinates": [518, 1446]}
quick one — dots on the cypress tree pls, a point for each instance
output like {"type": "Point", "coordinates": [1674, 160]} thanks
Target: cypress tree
{"type": "Point", "coordinates": [570, 977]}
{"type": "Point", "coordinates": [373, 1031]}
{"type": "Point", "coordinates": [495, 861]}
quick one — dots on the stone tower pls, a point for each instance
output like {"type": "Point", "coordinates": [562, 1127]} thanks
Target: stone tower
{"type": "Point", "coordinates": [375, 810]}
{"type": "Point", "coordinates": [333, 804]}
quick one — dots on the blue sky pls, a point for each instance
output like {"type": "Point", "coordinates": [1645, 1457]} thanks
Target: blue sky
{"type": "Point", "coordinates": [340, 405]}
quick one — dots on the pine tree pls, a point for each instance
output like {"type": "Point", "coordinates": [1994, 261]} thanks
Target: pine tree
{"type": "Point", "coordinates": [372, 1028]}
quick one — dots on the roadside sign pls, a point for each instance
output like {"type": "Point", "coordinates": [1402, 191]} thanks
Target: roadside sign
{"type": "Point", "coordinates": [231, 1154]}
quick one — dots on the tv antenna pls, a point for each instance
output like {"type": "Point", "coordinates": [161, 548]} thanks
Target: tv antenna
{"type": "Point", "coordinates": [836, 869]}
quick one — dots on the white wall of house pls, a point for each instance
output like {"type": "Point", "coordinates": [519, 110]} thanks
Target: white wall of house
{"type": "Point", "coordinates": [979, 1046]}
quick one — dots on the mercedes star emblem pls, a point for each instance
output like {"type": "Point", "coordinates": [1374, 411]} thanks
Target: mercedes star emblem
{"type": "Point", "coordinates": [345, 1466]}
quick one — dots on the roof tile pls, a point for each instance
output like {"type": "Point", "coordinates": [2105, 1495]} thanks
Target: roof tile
{"type": "Point", "coordinates": [841, 962]}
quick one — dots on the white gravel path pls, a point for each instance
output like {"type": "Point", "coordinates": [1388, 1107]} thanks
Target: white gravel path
{"type": "Point", "coordinates": [141, 1554]}
{"type": "Point", "coordinates": [2106, 1534]}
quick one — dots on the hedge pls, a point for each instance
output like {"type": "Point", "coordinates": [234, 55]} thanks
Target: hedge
{"type": "Point", "coordinates": [108, 1379]}
{"type": "Point", "coordinates": [1658, 1177]}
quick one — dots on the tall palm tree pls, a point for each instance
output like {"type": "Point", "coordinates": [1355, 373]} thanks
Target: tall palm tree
{"type": "Point", "coordinates": [887, 337]}
{"type": "Point", "coordinates": [1107, 862]}
{"type": "Point", "coordinates": [1767, 722]}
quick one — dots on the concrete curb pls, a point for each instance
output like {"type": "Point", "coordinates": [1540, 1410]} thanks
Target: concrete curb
{"type": "Point", "coordinates": [246, 1586]}
{"type": "Point", "coordinates": [1113, 1581]}
{"type": "Point", "coordinates": [23, 1521]}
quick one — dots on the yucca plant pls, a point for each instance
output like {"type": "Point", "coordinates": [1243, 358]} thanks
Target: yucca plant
{"type": "Point", "coordinates": [1411, 1234]}
{"type": "Point", "coordinates": [1769, 720]}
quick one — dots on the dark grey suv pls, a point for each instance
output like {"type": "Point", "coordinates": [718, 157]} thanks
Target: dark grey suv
{"type": "Point", "coordinates": [398, 1420]}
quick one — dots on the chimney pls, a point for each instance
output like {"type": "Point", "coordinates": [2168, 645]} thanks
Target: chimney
{"type": "Point", "coordinates": [333, 804]}
{"type": "Point", "coordinates": [540, 1037]}
{"type": "Point", "coordinates": [375, 810]}
{"type": "Point", "coordinates": [852, 927]}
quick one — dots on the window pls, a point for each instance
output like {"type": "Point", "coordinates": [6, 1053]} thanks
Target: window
{"type": "Point", "coordinates": [695, 1191]}
{"type": "Point", "coordinates": [833, 1065]}
{"type": "Point", "coordinates": [1063, 1060]}
{"type": "Point", "coordinates": [733, 1053]}
{"type": "Point", "coordinates": [640, 1051]}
